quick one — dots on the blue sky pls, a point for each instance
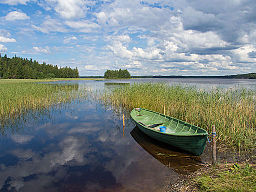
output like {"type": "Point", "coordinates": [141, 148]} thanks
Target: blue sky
{"type": "Point", "coordinates": [147, 37]}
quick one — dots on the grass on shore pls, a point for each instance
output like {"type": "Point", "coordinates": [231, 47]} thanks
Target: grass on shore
{"type": "Point", "coordinates": [227, 178]}
{"type": "Point", "coordinates": [17, 98]}
{"type": "Point", "coordinates": [233, 112]}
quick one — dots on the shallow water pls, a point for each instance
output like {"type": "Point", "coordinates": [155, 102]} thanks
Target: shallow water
{"type": "Point", "coordinates": [82, 146]}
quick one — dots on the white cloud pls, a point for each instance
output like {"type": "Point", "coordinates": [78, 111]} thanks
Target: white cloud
{"type": "Point", "coordinates": [69, 8]}
{"type": "Point", "coordinates": [151, 41]}
{"type": "Point", "coordinates": [248, 38]}
{"type": "Point", "coordinates": [83, 26]}
{"type": "Point", "coordinates": [170, 45]}
{"type": "Point", "coordinates": [50, 25]}
{"type": "Point", "coordinates": [41, 49]}
{"type": "Point", "coordinates": [194, 39]}
{"type": "Point", "coordinates": [133, 64]}
{"type": "Point", "coordinates": [149, 53]}
{"type": "Point", "coordinates": [6, 39]}
{"type": "Point", "coordinates": [121, 14]}
{"type": "Point", "coordinates": [192, 34]}
{"type": "Point", "coordinates": [15, 2]}
{"type": "Point", "coordinates": [16, 15]}
{"type": "Point", "coordinates": [242, 53]}
{"type": "Point", "coordinates": [171, 52]}
{"type": "Point", "coordinates": [121, 38]}
{"type": "Point", "coordinates": [69, 39]}
{"type": "Point", "coordinates": [101, 17]}
{"type": "Point", "coordinates": [3, 48]}
{"type": "Point", "coordinates": [91, 67]}
{"type": "Point", "coordinates": [120, 50]}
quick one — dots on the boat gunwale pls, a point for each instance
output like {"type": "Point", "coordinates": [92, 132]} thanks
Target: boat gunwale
{"type": "Point", "coordinates": [172, 134]}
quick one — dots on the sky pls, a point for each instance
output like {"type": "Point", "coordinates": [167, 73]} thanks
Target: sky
{"type": "Point", "coordinates": [160, 37]}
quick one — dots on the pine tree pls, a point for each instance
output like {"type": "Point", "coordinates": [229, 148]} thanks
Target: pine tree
{"type": "Point", "coordinates": [117, 74]}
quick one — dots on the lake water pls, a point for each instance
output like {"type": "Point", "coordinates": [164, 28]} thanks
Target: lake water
{"type": "Point", "coordinates": [82, 146]}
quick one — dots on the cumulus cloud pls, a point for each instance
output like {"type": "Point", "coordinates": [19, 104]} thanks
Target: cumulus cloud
{"type": "Point", "coordinates": [6, 39]}
{"type": "Point", "coordinates": [84, 26]}
{"type": "Point", "coordinates": [101, 17]}
{"type": "Point", "coordinates": [41, 49]}
{"type": "Point", "coordinates": [50, 25]}
{"type": "Point", "coordinates": [16, 15]}
{"type": "Point", "coordinates": [91, 67]}
{"type": "Point", "coordinates": [189, 36]}
{"type": "Point", "coordinates": [69, 39]}
{"type": "Point", "coordinates": [69, 8]}
{"type": "Point", "coordinates": [245, 54]}
{"type": "Point", "coordinates": [133, 65]}
{"type": "Point", "coordinates": [15, 2]}
{"type": "Point", "coordinates": [121, 38]}
{"type": "Point", "coordinates": [189, 40]}
{"type": "Point", "coordinates": [120, 50]}
{"type": "Point", "coordinates": [125, 14]}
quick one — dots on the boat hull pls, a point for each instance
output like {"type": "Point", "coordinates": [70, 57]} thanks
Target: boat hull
{"type": "Point", "coordinates": [194, 143]}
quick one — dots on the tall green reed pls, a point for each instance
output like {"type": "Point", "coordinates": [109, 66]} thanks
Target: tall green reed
{"type": "Point", "coordinates": [233, 112]}
{"type": "Point", "coordinates": [18, 98]}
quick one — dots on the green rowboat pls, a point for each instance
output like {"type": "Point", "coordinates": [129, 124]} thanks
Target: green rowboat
{"type": "Point", "coordinates": [178, 133]}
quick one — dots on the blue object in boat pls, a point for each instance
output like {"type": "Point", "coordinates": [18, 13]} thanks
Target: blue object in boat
{"type": "Point", "coordinates": [162, 129]}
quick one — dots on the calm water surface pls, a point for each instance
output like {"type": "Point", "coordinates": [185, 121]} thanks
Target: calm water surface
{"type": "Point", "coordinates": [82, 147]}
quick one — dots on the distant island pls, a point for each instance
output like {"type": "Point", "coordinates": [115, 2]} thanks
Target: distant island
{"type": "Point", "coordinates": [117, 74]}
{"type": "Point", "coordinates": [243, 76]}
{"type": "Point", "coordinates": [20, 68]}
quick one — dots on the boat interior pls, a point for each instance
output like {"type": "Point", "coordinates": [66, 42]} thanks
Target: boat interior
{"type": "Point", "coordinates": [155, 120]}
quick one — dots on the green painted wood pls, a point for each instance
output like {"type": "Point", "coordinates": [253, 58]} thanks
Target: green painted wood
{"type": "Point", "coordinates": [178, 133]}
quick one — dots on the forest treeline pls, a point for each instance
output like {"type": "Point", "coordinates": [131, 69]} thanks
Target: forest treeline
{"type": "Point", "coordinates": [117, 74]}
{"type": "Point", "coordinates": [244, 76]}
{"type": "Point", "coordinates": [23, 68]}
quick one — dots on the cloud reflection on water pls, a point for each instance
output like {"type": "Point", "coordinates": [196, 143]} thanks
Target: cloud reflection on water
{"type": "Point", "coordinates": [96, 165]}
{"type": "Point", "coordinates": [88, 153]}
{"type": "Point", "coordinates": [21, 139]}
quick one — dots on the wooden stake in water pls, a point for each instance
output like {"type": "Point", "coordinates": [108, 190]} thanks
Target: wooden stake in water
{"type": "Point", "coordinates": [214, 158]}
{"type": "Point", "coordinates": [123, 124]}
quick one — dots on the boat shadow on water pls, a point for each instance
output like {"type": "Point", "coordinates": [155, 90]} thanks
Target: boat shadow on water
{"type": "Point", "coordinates": [180, 161]}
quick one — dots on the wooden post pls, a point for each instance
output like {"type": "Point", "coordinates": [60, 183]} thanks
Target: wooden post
{"type": "Point", "coordinates": [214, 158]}
{"type": "Point", "coordinates": [123, 124]}
{"type": "Point", "coordinates": [164, 109]}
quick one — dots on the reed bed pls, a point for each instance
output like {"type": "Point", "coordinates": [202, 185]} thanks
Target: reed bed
{"type": "Point", "coordinates": [231, 111]}
{"type": "Point", "coordinates": [18, 98]}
